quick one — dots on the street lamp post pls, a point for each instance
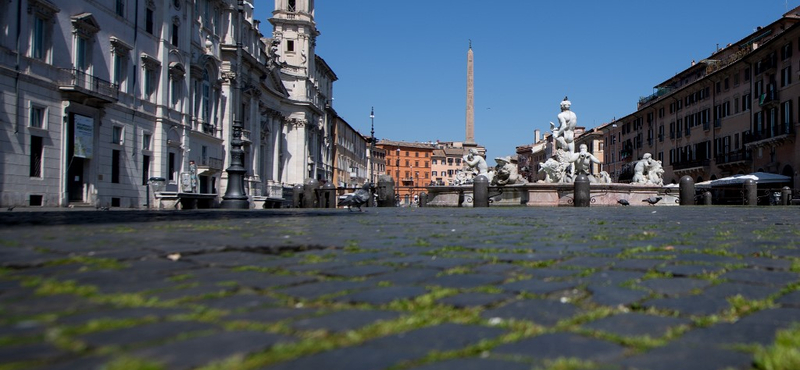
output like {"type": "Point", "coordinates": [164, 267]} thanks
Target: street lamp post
{"type": "Point", "coordinates": [372, 145]}
{"type": "Point", "coordinates": [235, 196]}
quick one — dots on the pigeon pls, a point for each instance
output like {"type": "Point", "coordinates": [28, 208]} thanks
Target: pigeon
{"type": "Point", "coordinates": [357, 199]}
{"type": "Point", "coordinates": [652, 200]}
{"type": "Point", "coordinates": [102, 208]}
{"type": "Point", "coordinates": [11, 208]}
{"type": "Point", "coordinates": [624, 202]}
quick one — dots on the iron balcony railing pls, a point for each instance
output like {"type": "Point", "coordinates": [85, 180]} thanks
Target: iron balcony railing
{"type": "Point", "coordinates": [689, 164]}
{"type": "Point", "coordinates": [735, 156]}
{"type": "Point", "coordinates": [770, 132]}
{"type": "Point", "coordinates": [77, 81]}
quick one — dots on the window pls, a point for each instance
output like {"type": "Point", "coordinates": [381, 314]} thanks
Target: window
{"type": "Point", "coordinates": [150, 76]}
{"type": "Point", "coordinates": [147, 138]}
{"type": "Point", "coordinates": [786, 76]}
{"type": "Point", "coordinates": [149, 21]}
{"type": "Point", "coordinates": [117, 135]}
{"type": "Point", "coordinates": [205, 103]}
{"type": "Point", "coordinates": [81, 53]}
{"type": "Point", "coordinates": [289, 46]}
{"type": "Point", "coordinates": [37, 116]}
{"type": "Point", "coordinates": [38, 48]}
{"type": "Point", "coordinates": [37, 152]}
{"type": "Point", "coordinates": [120, 52]}
{"type": "Point", "coordinates": [145, 169]}
{"type": "Point", "coordinates": [171, 167]}
{"type": "Point", "coordinates": [787, 112]}
{"type": "Point", "coordinates": [786, 52]}
{"type": "Point", "coordinates": [115, 166]}
{"type": "Point", "coordinates": [292, 6]}
{"type": "Point", "coordinates": [176, 29]}
{"type": "Point", "coordinates": [120, 8]}
{"type": "Point", "coordinates": [746, 102]}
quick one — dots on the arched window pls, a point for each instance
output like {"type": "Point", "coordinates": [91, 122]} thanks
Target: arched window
{"type": "Point", "coordinates": [205, 103]}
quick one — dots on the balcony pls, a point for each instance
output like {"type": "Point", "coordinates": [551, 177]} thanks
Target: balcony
{"type": "Point", "coordinates": [684, 165]}
{"type": "Point", "coordinates": [246, 136]}
{"type": "Point", "coordinates": [733, 158]}
{"type": "Point", "coordinates": [769, 135]}
{"type": "Point", "coordinates": [768, 99]}
{"type": "Point", "coordinates": [209, 165]}
{"type": "Point", "coordinates": [78, 85]}
{"type": "Point", "coordinates": [208, 129]}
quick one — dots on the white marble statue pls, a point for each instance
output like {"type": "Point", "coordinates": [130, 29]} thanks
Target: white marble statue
{"type": "Point", "coordinates": [641, 168]}
{"type": "Point", "coordinates": [582, 161]}
{"type": "Point", "coordinates": [505, 172]}
{"type": "Point", "coordinates": [475, 162]}
{"type": "Point", "coordinates": [602, 178]}
{"type": "Point", "coordinates": [564, 135]}
{"type": "Point", "coordinates": [655, 174]}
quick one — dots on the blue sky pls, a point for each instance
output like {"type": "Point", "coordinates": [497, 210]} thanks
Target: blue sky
{"type": "Point", "coordinates": [408, 59]}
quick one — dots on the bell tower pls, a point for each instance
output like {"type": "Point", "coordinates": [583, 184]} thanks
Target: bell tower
{"type": "Point", "coordinates": [293, 24]}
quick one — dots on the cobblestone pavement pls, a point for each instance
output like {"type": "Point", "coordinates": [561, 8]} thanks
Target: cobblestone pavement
{"type": "Point", "coordinates": [408, 288]}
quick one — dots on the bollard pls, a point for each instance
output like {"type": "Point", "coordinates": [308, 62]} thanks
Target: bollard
{"type": "Point", "coordinates": [297, 196]}
{"type": "Point", "coordinates": [707, 198]}
{"type": "Point", "coordinates": [309, 193]}
{"type": "Point", "coordinates": [750, 192]}
{"type": "Point", "coordinates": [480, 191]}
{"type": "Point", "coordinates": [786, 196]}
{"type": "Point", "coordinates": [582, 196]}
{"type": "Point", "coordinates": [385, 191]}
{"type": "Point", "coordinates": [327, 196]}
{"type": "Point", "coordinates": [423, 199]}
{"type": "Point", "coordinates": [686, 191]}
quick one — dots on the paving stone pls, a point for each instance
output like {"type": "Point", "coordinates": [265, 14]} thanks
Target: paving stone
{"type": "Point", "coordinates": [544, 312]}
{"type": "Point", "coordinates": [674, 286]}
{"type": "Point", "coordinates": [384, 352]}
{"type": "Point", "coordinates": [195, 352]}
{"type": "Point", "coordinates": [638, 264]}
{"type": "Point", "coordinates": [475, 299]}
{"type": "Point", "coordinates": [691, 305]}
{"type": "Point", "coordinates": [237, 258]}
{"type": "Point", "coordinates": [34, 305]}
{"type": "Point", "coordinates": [318, 289]}
{"type": "Point", "coordinates": [340, 321]}
{"type": "Point", "coordinates": [752, 292]}
{"type": "Point", "coordinates": [557, 345]}
{"type": "Point", "coordinates": [29, 352]}
{"type": "Point", "coordinates": [383, 295]}
{"type": "Point", "coordinates": [636, 324]}
{"type": "Point", "coordinates": [109, 313]}
{"type": "Point", "coordinates": [729, 334]}
{"type": "Point", "coordinates": [768, 263]}
{"type": "Point", "coordinates": [85, 363]}
{"type": "Point", "coordinates": [786, 252]}
{"type": "Point", "coordinates": [239, 302]}
{"type": "Point", "coordinates": [358, 271]}
{"type": "Point", "coordinates": [473, 364]}
{"type": "Point", "coordinates": [537, 286]}
{"type": "Point", "coordinates": [526, 257]}
{"type": "Point", "coordinates": [449, 263]}
{"type": "Point", "coordinates": [144, 333]}
{"type": "Point", "coordinates": [677, 356]}
{"type": "Point", "coordinates": [762, 277]}
{"type": "Point", "coordinates": [497, 268]}
{"type": "Point", "coordinates": [550, 273]}
{"type": "Point", "coordinates": [407, 276]}
{"type": "Point", "coordinates": [609, 295]}
{"type": "Point", "coordinates": [689, 270]}
{"type": "Point", "coordinates": [196, 292]}
{"type": "Point", "coordinates": [790, 300]}
{"type": "Point", "coordinates": [612, 277]}
{"type": "Point", "coordinates": [589, 262]}
{"type": "Point", "coordinates": [253, 279]}
{"type": "Point", "coordinates": [705, 258]}
{"type": "Point", "coordinates": [780, 316]}
{"type": "Point", "coordinates": [320, 266]}
{"type": "Point", "coordinates": [465, 281]}
{"type": "Point", "coordinates": [269, 315]}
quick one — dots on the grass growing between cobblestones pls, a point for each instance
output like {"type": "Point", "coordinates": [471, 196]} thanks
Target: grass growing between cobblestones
{"type": "Point", "coordinates": [783, 354]}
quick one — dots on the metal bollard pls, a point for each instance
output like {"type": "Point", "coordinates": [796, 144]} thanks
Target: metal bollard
{"type": "Point", "coordinates": [385, 191]}
{"type": "Point", "coordinates": [309, 193]}
{"type": "Point", "coordinates": [582, 196]}
{"type": "Point", "coordinates": [707, 198]}
{"type": "Point", "coordinates": [327, 196]}
{"type": "Point", "coordinates": [480, 191]}
{"type": "Point", "coordinates": [786, 196]}
{"type": "Point", "coordinates": [423, 199]}
{"type": "Point", "coordinates": [686, 191]}
{"type": "Point", "coordinates": [297, 196]}
{"type": "Point", "coordinates": [750, 192]}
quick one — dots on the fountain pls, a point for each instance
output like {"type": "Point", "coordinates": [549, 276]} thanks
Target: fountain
{"type": "Point", "coordinates": [508, 188]}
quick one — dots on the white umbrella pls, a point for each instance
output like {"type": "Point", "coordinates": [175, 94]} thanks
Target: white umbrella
{"type": "Point", "coordinates": [758, 177]}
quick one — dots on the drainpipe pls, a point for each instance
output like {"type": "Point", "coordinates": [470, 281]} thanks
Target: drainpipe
{"type": "Point", "coordinates": [17, 67]}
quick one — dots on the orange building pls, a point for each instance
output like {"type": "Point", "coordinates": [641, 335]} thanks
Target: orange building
{"type": "Point", "coordinates": [409, 164]}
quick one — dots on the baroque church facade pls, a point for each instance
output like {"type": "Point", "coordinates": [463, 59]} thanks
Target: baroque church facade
{"type": "Point", "coordinates": [102, 100]}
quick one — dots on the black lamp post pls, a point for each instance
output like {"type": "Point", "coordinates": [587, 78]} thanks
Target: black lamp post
{"type": "Point", "coordinates": [235, 196]}
{"type": "Point", "coordinates": [372, 145]}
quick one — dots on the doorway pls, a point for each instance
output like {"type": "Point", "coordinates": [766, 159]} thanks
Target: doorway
{"type": "Point", "coordinates": [80, 140]}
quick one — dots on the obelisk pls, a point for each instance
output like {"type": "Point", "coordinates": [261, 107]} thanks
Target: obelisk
{"type": "Point", "coordinates": [470, 139]}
